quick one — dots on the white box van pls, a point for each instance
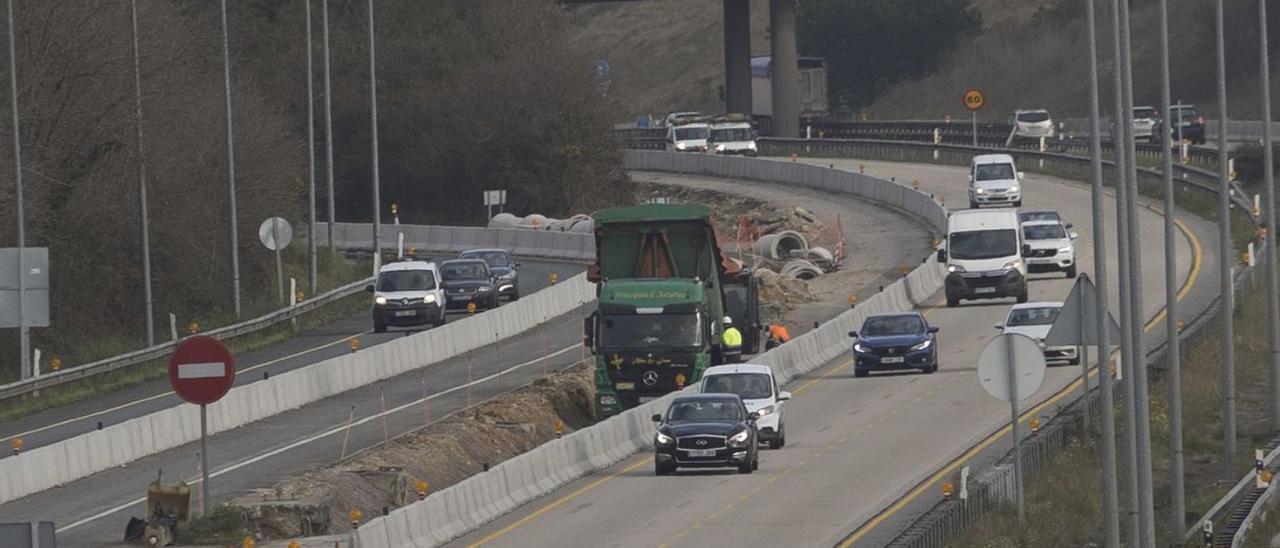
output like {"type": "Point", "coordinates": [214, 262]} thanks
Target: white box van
{"type": "Point", "coordinates": [984, 253]}
{"type": "Point", "coordinates": [994, 179]}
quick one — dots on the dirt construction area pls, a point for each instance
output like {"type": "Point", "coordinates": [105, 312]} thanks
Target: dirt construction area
{"type": "Point", "coordinates": [878, 244]}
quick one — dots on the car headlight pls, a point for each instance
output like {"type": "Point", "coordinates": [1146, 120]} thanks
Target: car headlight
{"type": "Point", "coordinates": [926, 344]}
{"type": "Point", "coordinates": [1013, 188]}
{"type": "Point", "coordinates": [663, 439]}
{"type": "Point", "coordinates": [485, 288]}
{"type": "Point", "coordinates": [739, 439]}
{"type": "Point", "coordinates": [608, 400]}
{"type": "Point", "coordinates": [1013, 265]}
{"type": "Point", "coordinates": [508, 275]}
{"type": "Point", "coordinates": [751, 145]}
{"type": "Point", "coordinates": [1067, 249]}
{"type": "Point", "coordinates": [764, 411]}
{"type": "Point", "coordinates": [857, 347]}
{"type": "Point", "coordinates": [380, 300]}
{"type": "Point", "coordinates": [430, 298]}
{"type": "Point", "coordinates": [980, 191]}
{"type": "Point", "coordinates": [719, 148]}
{"type": "Point", "coordinates": [680, 146]}
{"type": "Point", "coordinates": [955, 268]}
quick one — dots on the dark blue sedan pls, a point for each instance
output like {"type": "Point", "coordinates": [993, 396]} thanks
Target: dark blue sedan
{"type": "Point", "coordinates": [895, 342]}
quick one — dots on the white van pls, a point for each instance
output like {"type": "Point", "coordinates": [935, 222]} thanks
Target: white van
{"type": "Point", "coordinates": [984, 253]}
{"type": "Point", "coordinates": [994, 179]}
{"type": "Point", "coordinates": [407, 293]}
{"type": "Point", "coordinates": [758, 388]}
{"type": "Point", "coordinates": [732, 134]}
{"type": "Point", "coordinates": [686, 136]}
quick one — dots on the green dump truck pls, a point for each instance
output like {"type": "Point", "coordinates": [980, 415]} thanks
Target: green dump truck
{"type": "Point", "coordinates": [663, 288]}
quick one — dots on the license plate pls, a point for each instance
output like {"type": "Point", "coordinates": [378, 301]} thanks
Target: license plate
{"type": "Point", "coordinates": [898, 359]}
{"type": "Point", "coordinates": [702, 452]}
{"type": "Point", "coordinates": [626, 386]}
{"type": "Point", "coordinates": [647, 398]}
{"type": "Point", "coordinates": [985, 290]}
{"type": "Point", "coordinates": [406, 312]}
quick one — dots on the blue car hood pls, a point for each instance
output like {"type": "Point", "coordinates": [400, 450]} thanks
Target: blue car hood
{"type": "Point", "coordinates": [886, 341]}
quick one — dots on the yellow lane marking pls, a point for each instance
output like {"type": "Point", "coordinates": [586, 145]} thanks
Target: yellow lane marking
{"type": "Point", "coordinates": [539, 512]}
{"type": "Point", "coordinates": [975, 450]}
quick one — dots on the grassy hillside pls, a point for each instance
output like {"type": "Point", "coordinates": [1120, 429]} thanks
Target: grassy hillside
{"type": "Point", "coordinates": [1038, 62]}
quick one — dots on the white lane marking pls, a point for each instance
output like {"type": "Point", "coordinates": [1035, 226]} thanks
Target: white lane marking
{"type": "Point", "coordinates": [314, 437]}
{"type": "Point", "coordinates": [170, 392]}
{"type": "Point", "coordinates": [203, 370]}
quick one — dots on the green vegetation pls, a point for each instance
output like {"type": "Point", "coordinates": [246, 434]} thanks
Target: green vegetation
{"type": "Point", "coordinates": [223, 527]}
{"type": "Point", "coordinates": [872, 45]}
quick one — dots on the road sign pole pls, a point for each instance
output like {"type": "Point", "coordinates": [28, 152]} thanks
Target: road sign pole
{"type": "Point", "coordinates": [1228, 357]}
{"type": "Point", "coordinates": [975, 128]}
{"type": "Point", "coordinates": [1177, 495]}
{"type": "Point", "coordinates": [1082, 353]}
{"type": "Point", "coordinates": [1017, 440]}
{"type": "Point", "coordinates": [204, 458]}
{"type": "Point", "coordinates": [279, 280]}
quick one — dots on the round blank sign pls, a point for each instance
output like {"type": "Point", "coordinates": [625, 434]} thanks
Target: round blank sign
{"type": "Point", "coordinates": [275, 233]}
{"type": "Point", "coordinates": [1028, 364]}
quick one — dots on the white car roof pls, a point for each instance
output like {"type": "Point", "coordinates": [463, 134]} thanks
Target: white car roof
{"type": "Point", "coordinates": [992, 159]}
{"type": "Point", "coordinates": [1041, 223]}
{"type": "Point", "coordinates": [737, 368]}
{"type": "Point", "coordinates": [980, 219]}
{"type": "Point", "coordinates": [697, 125]}
{"type": "Point", "coordinates": [407, 265]}
{"type": "Point", "coordinates": [1038, 304]}
{"type": "Point", "coordinates": [1030, 110]}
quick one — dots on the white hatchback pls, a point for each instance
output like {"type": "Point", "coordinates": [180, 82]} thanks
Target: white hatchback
{"type": "Point", "coordinates": [758, 388]}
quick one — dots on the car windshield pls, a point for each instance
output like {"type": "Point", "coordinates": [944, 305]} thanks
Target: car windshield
{"type": "Point", "coordinates": [1144, 113]}
{"type": "Point", "coordinates": [983, 244]}
{"type": "Point", "coordinates": [1185, 114]}
{"type": "Point", "coordinates": [993, 172]}
{"type": "Point", "coordinates": [690, 133]}
{"type": "Point", "coordinates": [728, 135]}
{"type": "Point", "coordinates": [892, 325]}
{"type": "Point", "coordinates": [491, 258]}
{"type": "Point", "coordinates": [468, 270]}
{"type": "Point", "coordinates": [1032, 316]}
{"type": "Point", "coordinates": [748, 386]}
{"type": "Point", "coordinates": [1033, 117]}
{"type": "Point", "coordinates": [650, 331]}
{"type": "Point", "coordinates": [1043, 232]}
{"type": "Point", "coordinates": [1028, 216]}
{"type": "Point", "coordinates": [704, 410]}
{"type": "Point", "coordinates": [406, 280]}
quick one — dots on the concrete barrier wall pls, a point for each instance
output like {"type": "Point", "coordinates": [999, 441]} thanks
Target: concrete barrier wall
{"type": "Point", "coordinates": [544, 244]}
{"type": "Point", "coordinates": [465, 506]}
{"type": "Point", "coordinates": [78, 457]}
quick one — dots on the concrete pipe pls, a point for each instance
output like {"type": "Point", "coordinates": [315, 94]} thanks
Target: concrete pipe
{"type": "Point", "coordinates": [583, 227]}
{"type": "Point", "coordinates": [780, 245]}
{"type": "Point", "coordinates": [535, 221]}
{"type": "Point", "coordinates": [801, 269]}
{"type": "Point", "coordinates": [504, 220]}
{"type": "Point", "coordinates": [819, 254]}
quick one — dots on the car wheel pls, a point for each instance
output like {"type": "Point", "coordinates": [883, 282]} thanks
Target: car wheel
{"type": "Point", "coordinates": [973, 204]}
{"type": "Point", "coordinates": [776, 442]}
{"type": "Point", "coordinates": [859, 373]}
{"type": "Point", "coordinates": [1017, 203]}
{"type": "Point", "coordinates": [952, 302]}
{"type": "Point", "coordinates": [746, 467]}
{"type": "Point", "coordinates": [379, 326]}
{"type": "Point", "coordinates": [930, 370]}
{"type": "Point", "coordinates": [1022, 297]}
{"type": "Point", "coordinates": [444, 317]}
{"type": "Point", "coordinates": [1071, 272]}
{"type": "Point", "coordinates": [755, 463]}
{"type": "Point", "coordinates": [515, 296]}
{"type": "Point", "coordinates": [660, 469]}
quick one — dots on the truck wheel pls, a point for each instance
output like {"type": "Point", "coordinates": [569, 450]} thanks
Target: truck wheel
{"type": "Point", "coordinates": [379, 326]}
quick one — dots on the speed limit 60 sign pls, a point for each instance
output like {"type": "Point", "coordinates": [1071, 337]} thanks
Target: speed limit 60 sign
{"type": "Point", "coordinates": [973, 99]}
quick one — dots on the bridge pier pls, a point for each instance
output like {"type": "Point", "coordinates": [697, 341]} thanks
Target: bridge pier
{"type": "Point", "coordinates": [737, 56]}
{"type": "Point", "coordinates": [785, 77]}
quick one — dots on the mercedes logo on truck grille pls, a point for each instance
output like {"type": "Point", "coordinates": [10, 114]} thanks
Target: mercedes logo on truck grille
{"type": "Point", "coordinates": [650, 378]}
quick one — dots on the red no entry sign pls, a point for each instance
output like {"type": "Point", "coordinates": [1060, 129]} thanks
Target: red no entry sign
{"type": "Point", "coordinates": [202, 370]}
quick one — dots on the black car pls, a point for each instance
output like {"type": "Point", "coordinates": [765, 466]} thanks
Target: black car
{"type": "Point", "coordinates": [893, 342]}
{"type": "Point", "coordinates": [468, 281]}
{"type": "Point", "coordinates": [706, 431]}
{"type": "Point", "coordinates": [1188, 125]}
{"type": "Point", "coordinates": [503, 268]}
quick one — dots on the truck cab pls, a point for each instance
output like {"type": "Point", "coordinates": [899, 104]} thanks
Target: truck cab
{"type": "Point", "coordinates": [984, 252]}
{"type": "Point", "coordinates": [732, 134]}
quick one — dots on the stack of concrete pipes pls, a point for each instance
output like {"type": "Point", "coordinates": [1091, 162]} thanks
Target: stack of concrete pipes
{"type": "Point", "coordinates": [791, 251]}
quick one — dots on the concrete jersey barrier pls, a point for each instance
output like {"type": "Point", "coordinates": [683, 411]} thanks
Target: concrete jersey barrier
{"type": "Point", "coordinates": [544, 244]}
{"type": "Point", "coordinates": [465, 506]}
{"type": "Point", "coordinates": [81, 456]}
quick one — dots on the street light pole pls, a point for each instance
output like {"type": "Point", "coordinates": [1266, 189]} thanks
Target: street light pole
{"type": "Point", "coordinates": [231, 163]}
{"type": "Point", "coordinates": [311, 160]}
{"type": "Point", "coordinates": [1228, 357]}
{"type": "Point", "coordinates": [24, 334]}
{"type": "Point", "coordinates": [373, 122]}
{"type": "Point", "coordinates": [1269, 184]}
{"type": "Point", "coordinates": [328, 130]}
{"type": "Point", "coordinates": [142, 182]}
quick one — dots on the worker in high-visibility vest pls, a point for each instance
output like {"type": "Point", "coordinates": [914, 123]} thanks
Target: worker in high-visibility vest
{"type": "Point", "coordinates": [732, 342]}
{"type": "Point", "coordinates": [777, 335]}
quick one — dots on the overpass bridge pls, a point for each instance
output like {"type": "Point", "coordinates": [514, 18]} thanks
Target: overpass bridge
{"type": "Point", "coordinates": [785, 79]}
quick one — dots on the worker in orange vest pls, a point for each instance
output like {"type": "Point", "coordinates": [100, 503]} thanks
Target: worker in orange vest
{"type": "Point", "coordinates": [777, 336]}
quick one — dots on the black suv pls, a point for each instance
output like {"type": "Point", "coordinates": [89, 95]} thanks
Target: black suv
{"type": "Point", "coordinates": [468, 281]}
{"type": "Point", "coordinates": [503, 268]}
{"type": "Point", "coordinates": [1189, 125]}
{"type": "Point", "coordinates": [706, 431]}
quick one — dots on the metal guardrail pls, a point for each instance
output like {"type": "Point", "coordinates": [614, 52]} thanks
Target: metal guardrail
{"type": "Point", "coordinates": [113, 363]}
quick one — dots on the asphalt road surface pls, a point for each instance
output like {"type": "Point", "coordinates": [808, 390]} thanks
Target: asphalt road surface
{"type": "Point", "coordinates": [860, 451]}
